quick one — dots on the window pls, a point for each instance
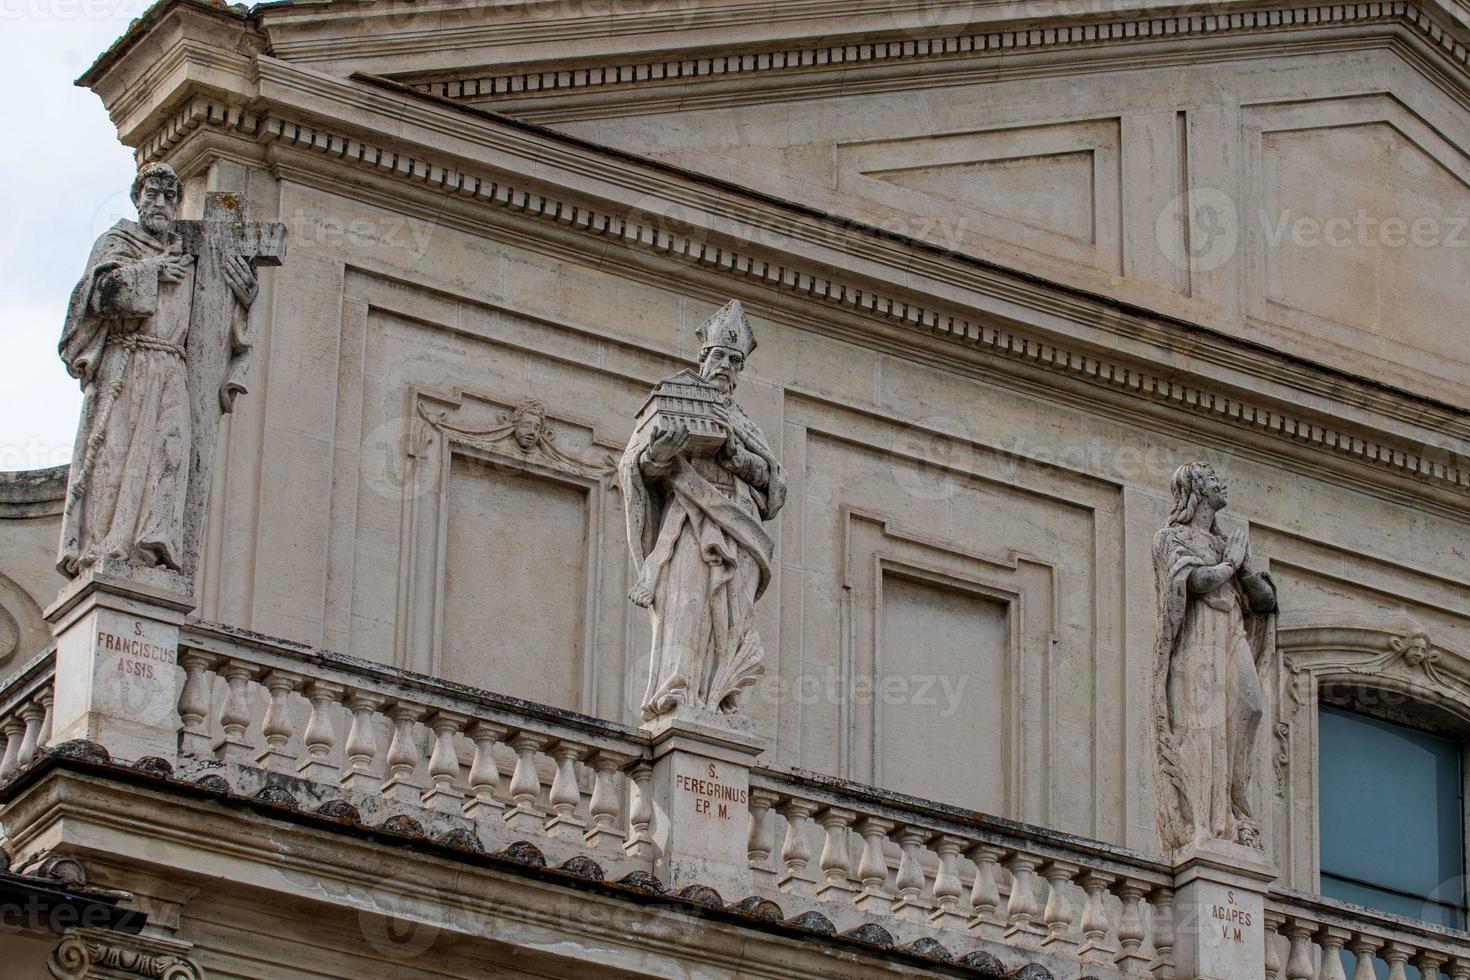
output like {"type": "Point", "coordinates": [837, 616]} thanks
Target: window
{"type": "Point", "coordinates": [1391, 817]}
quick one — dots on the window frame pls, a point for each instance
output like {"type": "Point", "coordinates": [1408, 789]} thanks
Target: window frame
{"type": "Point", "coordinates": [1400, 675]}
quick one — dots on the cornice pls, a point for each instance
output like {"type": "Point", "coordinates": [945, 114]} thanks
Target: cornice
{"type": "Point", "coordinates": [664, 36]}
{"type": "Point", "coordinates": [528, 173]}
{"type": "Point", "coordinates": [948, 58]}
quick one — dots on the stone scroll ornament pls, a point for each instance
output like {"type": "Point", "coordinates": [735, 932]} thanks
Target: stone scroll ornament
{"type": "Point", "coordinates": [1217, 635]}
{"type": "Point", "coordinates": [158, 333]}
{"type": "Point", "coordinates": [698, 480]}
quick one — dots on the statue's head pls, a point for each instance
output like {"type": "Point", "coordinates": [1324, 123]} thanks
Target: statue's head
{"type": "Point", "coordinates": [726, 340]}
{"type": "Point", "coordinates": [156, 194]}
{"type": "Point", "coordinates": [1196, 485]}
{"type": "Point", "coordinates": [527, 422]}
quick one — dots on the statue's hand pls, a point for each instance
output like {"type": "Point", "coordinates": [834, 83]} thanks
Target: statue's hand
{"type": "Point", "coordinates": [731, 452]}
{"type": "Point", "coordinates": [241, 279]}
{"type": "Point", "coordinates": [668, 443]}
{"type": "Point", "coordinates": [174, 265]}
{"type": "Point", "coordinates": [1237, 548]}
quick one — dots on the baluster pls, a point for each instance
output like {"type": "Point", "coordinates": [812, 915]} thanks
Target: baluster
{"type": "Point", "coordinates": [566, 795]}
{"type": "Point", "coordinates": [1331, 940]}
{"type": "Point", "coordinates": [760, 839]}
{"type": "Point", "coordinates": [1058, 912]}
{"type": "Point", "coordinates": [1095, 947]}
{"type": "Point", "coordinates": [1429, 962]}
{"type": "Point", "coordinates": [484, 771]}
{"type": "Point", "coordinates": [606, 805]}
{"type": "Point", "coordinates": [912, 905]}
{"type": "Point", "coordinates": [1274, 922]}
{"type": "Point", "coordinates": [321, 735]}
{"type": "Point", "coordinates": [795, 851]}
{"type": "Point", "coordinates": [1023, 906]}
{"type": "Point", "coordinates": [1299, 964]}
{"type": "Point", "coordinates": [873, 866]}
{"type": "Point", "coordinates": [1365, 948]}
{"type": "Point", "coordinates": [47, 699]}
{"type": "Point", "coordinates": [1163, 923]}
{"type": "Point", "coordinates": [985, 921]}
{"type": "Point", "coordinates": [640, 844]}
{"type": "Point", "coordinates": [524, 817]}
{"type": "Point", "coordinates": [14, 730]}
{"type": "Point", "coordinates": [1396, 955]}
{"type": "Point", "coordinates": [444, 770]}
{"type": "Point", "coordinates": [194, 703]}
{"type": "Point", "coordinates": [33, 714]}
{"type": "Point", "coordinates": [948, 890]}
{"type": "Point", "coordinates": [362, 743]}
{"type": "Point", "coordinates": [276, 726]}
{"type": "Point", "coordinates": [235, 718]}
{"type": "Point", "coordinates": [402, 784]}
{"type": "Point", "coordinates": [836, 860]}
{"type": "Point", "coordinates": [1459, 969]}
{"type": "Point", "coordinates": [1130, 959]}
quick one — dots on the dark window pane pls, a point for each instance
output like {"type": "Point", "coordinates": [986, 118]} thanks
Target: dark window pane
{"type": "Point", "coordinates": [1391, 819]}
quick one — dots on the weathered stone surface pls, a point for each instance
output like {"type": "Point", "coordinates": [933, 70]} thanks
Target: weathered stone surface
{"type": "Point", "coordinates": [158, 333]}
{"type": "Point", "coordinates": [1217, 633]}
{"type": "Point", "coordinates": [699, 478]}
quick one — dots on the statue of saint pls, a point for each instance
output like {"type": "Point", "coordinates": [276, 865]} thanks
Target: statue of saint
{"type": "Point", "coordinates": [128, 340]}
{"type": "Point", "coordinates": [1217, 632]}
{"type": "Point", "coordinates": [698, 480]}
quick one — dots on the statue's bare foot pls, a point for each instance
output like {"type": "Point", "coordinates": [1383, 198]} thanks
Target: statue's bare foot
{"type": "Point", "coordinates": [641, 595]}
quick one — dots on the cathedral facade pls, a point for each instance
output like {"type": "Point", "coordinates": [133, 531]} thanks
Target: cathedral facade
{"type": "Point", "coordinates": [751, 489]}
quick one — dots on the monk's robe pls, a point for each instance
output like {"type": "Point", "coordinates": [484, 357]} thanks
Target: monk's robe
{"type": "Point", "coordinates": [124, 341]}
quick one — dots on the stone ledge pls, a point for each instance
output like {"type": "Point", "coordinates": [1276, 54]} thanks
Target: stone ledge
{"type": "Point", "coordinates": [108, 797]}
{"type": "Point", "coordinates": [33, 493]}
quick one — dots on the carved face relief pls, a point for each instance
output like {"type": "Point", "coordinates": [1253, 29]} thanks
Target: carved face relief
{"type": "Point", "coordinates": [158, 204]}
{"type": "Point", "coordinates": [721, 366]}
{"type": "Point", "coordinates": [529, 422]}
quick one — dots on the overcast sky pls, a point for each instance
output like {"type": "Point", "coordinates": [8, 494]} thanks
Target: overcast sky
{"type": "Point", "coordinates": [65, 180]}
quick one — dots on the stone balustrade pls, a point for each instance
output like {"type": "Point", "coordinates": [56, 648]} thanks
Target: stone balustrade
{"type": "Point", "coordinates": [267, 718]}
{"type": "Point", "coordinates": [919, 869]}
{"type": "Point", "coordinates": [391, 741]}
{"type": "Point", "coordinates": [1313, 938]}
{"type": "Point", "coordinates": [25, 712]}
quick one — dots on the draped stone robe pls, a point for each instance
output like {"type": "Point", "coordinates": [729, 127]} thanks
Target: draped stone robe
{"type": "Point", "coordinates": [1213, 651]}
{"type": "Point", "coordinates": [699, 546]}
{"type": "Point", "coordinates": [124, 341]}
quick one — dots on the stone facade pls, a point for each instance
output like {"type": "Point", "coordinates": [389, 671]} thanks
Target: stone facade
{"type": "Point", "coordinates": [1010, 268]}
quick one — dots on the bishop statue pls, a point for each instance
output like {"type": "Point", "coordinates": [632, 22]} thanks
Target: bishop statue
{"type": "Point", "coordinates": [699, 480]}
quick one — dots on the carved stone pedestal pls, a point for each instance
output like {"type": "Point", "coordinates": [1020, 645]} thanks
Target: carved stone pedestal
{"type": "Point", "coordinates": [117, 651]}
{"type": "Point", "coordinates": [701, 799]}
{"type": "Point", "coordinates": [1219, 909]}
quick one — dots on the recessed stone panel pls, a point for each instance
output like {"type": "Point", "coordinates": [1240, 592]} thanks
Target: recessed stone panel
{"type": "Point", "coordinates": [514, 581]}
{"type": "Point", "coordinates": [942, 661]}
